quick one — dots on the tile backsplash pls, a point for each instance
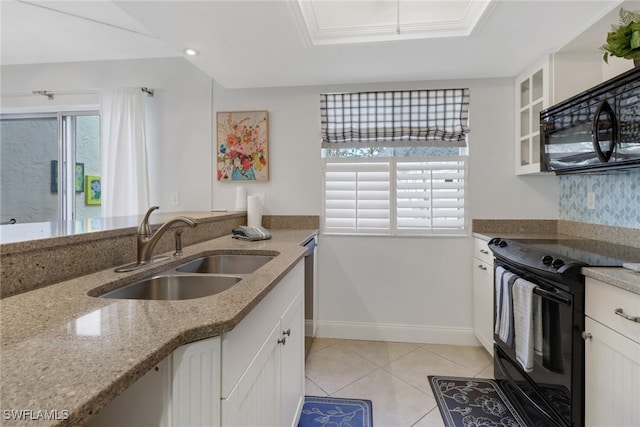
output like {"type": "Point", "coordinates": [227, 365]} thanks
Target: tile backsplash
{"type": "Point", "coordinates": [617, 198]}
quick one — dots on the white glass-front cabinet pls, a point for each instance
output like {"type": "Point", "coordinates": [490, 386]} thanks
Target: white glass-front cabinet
{"type": "Point", "coordinates": [533, 94]}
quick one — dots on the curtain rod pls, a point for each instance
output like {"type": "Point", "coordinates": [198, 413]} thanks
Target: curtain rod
{"type": "Point", "coordinates": [50, 94]}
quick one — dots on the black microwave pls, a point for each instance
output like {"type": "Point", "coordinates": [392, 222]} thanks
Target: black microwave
{"type": "Point", "coordinates": [596, 130]}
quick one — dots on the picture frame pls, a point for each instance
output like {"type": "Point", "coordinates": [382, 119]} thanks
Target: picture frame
{"type": "Point", "coordinates": [93, 190]}
{"type": "Point", "coordinates": [79, 177]}
{"type": "Point", "coordinates": [242, 145]}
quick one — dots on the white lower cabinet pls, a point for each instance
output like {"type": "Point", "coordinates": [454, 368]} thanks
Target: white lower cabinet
{"type": "Point", "coordinates": [195, 389]}
{"type": "Point", "coordinates": [250, 376]}
{"type": "Point", "coordinates": [270, 390]}
{"type": "Point", "coordinates": [144, 404]}
{"type": "Point", "coordinates": [483, 291]}
{"type": "Point", "coordinates": [612, 357]}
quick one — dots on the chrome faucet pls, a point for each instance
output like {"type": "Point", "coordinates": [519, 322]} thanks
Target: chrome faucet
{"type": "Point", "coordinates": [147, 241]}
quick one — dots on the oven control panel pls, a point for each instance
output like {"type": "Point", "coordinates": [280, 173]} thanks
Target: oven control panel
{"type": "Point", "coordinates": [534, 258]}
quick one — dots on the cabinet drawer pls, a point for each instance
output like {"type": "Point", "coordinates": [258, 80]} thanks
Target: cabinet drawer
{"type": "Point", "coordinates": [602, 301]}
{"type": "Point", "coordinates": [481, 251]}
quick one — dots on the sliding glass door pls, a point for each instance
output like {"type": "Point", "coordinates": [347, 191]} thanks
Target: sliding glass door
{"type": "Point", "coordinates": [45, 160]}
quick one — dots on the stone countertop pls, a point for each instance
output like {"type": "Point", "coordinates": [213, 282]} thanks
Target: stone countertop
{"type": "Point", "coordinates": [615, 276]}
{"type": "Point", "coordinates": [62, 350]}
{"type": "Point", "coordinates": [618, 277]}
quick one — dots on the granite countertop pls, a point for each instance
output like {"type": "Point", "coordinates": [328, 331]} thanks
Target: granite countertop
{"type": "Point", "coordinates": [615, 276]}
{"type": "Point", "coordinates": [62, 350]}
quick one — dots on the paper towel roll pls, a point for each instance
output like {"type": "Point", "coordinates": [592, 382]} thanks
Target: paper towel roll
{"type": "Point", "coordinates": [254, 211]}
{"type": "Point", "coordinates": [241, 198]}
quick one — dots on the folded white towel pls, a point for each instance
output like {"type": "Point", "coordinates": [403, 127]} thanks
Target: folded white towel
{"type": "Point", "coordinates": [523, 307]}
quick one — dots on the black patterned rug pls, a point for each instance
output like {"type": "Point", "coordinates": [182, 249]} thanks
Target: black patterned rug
{"type": "Point", "coordinates": [335, 412]}
{"type": "Point", "coordinates": [473, 402]}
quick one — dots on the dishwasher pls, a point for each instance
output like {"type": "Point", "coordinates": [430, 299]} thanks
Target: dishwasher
{"type": "Point", "coordinates": [310, 295]}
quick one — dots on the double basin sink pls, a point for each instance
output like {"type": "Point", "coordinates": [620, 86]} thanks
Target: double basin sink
{"type": "Point", "coordinates": [198, 278]}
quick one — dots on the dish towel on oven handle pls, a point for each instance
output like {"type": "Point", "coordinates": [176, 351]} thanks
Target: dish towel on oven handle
{"type": "Point", "coordinates": [504, 307]}
{"type": "Point", "coordinates": [525, 304]}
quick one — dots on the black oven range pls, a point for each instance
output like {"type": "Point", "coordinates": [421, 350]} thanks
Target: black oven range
{"type": "Point", "coordinates": [539, 320]}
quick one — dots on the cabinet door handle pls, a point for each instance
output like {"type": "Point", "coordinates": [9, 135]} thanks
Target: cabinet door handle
{"type": "Point", "coordinates": [484, 251]}
{"type": "Point", "coordinates": [282, 341]}
{"type": "Point", "coordinates": [287, 332]}
{"type": "Point", "coordinates": [621, 313]}
{"type": "Point", "coordinates": [586, 335]}
{"type": "Point", "coordinates": [482, 267]}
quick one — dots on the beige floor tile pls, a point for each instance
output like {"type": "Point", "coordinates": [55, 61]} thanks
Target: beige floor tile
{"type": "Point", "coordinates": [320, 343]}
{"type": "Point", "coordinates": [432, 419]}
{"type": "Point", "coordinates": [335, 366]}
{"type": "Point", "coordinates": [414, 368]}
{"type": "Point", "coordinates": [311, 389]}
{"type": "Point", "coordinates": [474, 358]}
{"type": "Point", "coordinates": [395, 403]}
{"type": "Point", "coordinates": [380, 352]}
{"type": "Point", "coordinates": [487, 373]}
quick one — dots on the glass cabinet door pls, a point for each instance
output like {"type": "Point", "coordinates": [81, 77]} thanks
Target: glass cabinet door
{"type": "Point", "coordinates": [532, 96]}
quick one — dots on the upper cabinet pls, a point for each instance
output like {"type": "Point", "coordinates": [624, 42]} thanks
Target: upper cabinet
{"type": "Point", "coordinates": [570, 70]}
{"type": "Point", "coordinates": [533, 94]}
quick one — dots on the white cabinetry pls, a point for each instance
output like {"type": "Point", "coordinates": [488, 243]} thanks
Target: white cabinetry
{"type": "Point", "coordinates": [250, 376]}
{"type": "Point", "coordinates": [144, 404]}
{"type": "Point", "coordinates": [268, 390]}
{"type": "Point", "coordinates": [612, 356]}
{"type": "Point", "coordinates": [533, 94]}
{"type": "Point", "coordinates": [483, 293]}
{"type": "Point", "coordinates": [195, 390]}
{"type": "Point", "coordinates": [182, 390]}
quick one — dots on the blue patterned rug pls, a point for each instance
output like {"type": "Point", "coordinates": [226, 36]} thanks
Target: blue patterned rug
{"type": "Point", "coordinates": [473, 402]}
{"type": "Point", "coordinates": [336, 412]}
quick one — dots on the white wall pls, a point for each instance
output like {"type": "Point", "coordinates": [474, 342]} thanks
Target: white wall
{"type": "Point", "coordinates": [386, 288]}
{"type": "Point", "coordinates": [392, 288]}
{"type": "Point", "coordinates": [178, 116]}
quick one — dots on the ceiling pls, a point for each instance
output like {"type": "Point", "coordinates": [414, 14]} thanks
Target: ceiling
{"type": "Point", "coordinates": [268, 43]}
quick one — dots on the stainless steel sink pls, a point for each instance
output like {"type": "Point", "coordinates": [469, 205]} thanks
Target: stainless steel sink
{"type": "Point", "coordinates": [174, 287]}
{"type": "Point", "coordinates": [225, 264]}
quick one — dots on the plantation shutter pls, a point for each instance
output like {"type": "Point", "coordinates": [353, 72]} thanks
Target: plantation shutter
{"type": "Point", "coordinates": [436, 117]}
{"type": "Point", "coordinates": [430, 195]}
{"type": "Point", "coordinates": [358, 197]}
{"type": "Point", "coordinates": [427, 196]}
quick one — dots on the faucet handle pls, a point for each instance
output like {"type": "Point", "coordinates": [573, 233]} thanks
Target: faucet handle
{"type": "Point", "coordinates": [144, 229]}
{"type": "Point", "coordinates": [178, 252]}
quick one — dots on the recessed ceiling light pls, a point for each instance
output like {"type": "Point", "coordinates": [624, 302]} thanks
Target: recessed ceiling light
{"type": "Point", "coordinates": [191, 52]}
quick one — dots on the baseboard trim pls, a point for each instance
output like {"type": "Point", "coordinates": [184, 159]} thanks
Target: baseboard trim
{"type": "Point", "coordinates": [397, 333]}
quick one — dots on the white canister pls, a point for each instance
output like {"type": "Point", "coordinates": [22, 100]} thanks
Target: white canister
{"type": "Point", "coordinates": [241, 198]}
{"type": "Point", "coordinates": [254, 210]}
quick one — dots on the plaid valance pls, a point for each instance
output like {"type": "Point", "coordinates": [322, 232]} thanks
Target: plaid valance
{"type": "Point", "coordinates": [437, 117]}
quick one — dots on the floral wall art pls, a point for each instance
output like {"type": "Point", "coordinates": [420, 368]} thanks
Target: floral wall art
{"type": "Point", "coordinates": [243, 146]}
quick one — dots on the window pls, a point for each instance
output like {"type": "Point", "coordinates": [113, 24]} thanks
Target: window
{"type": "Point", "coordinates": [394, 163]}
{"type": "Point", "coordinates": [44, 161]}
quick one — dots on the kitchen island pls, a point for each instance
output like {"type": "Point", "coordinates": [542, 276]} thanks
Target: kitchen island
{"type": "Point", "coordinates": [65, 355]}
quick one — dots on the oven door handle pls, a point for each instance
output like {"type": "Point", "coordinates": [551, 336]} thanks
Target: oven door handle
{"type": "Point", "coordinates": [523, 394]}
{"type": "Point", "coordinates": [553, 296]}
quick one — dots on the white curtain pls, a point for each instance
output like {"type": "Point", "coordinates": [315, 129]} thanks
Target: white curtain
{"type": "Point", "coordinates": [125, 177]}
